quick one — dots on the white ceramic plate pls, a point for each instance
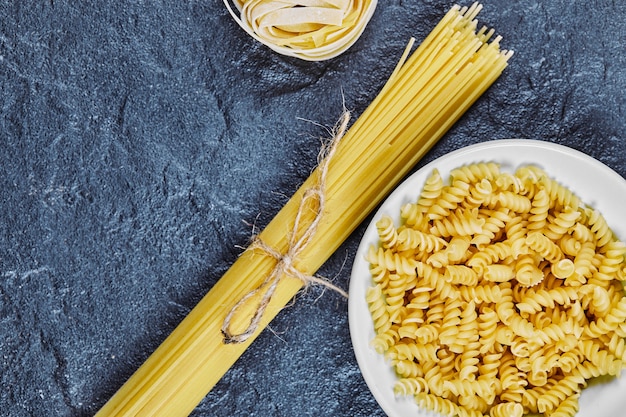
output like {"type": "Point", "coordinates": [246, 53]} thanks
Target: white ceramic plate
{"type": "Point", "coordinates": [595, 183]}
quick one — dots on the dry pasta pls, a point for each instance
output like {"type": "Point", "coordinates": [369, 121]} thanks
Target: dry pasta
{"type": "Point", "coordinates": [521, 294]}
{"type": "Point", "coordinates": [311, 30]}
{"type": "Point", "coordinates": [430, 88]}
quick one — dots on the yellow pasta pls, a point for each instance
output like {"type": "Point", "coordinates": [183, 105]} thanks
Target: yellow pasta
{"type": "Point", "coordinates": [493, 228]}
{"type": "Point", "coordinates": [449, 199]}
{"type": "Point", "coordinates": [460, 274]}
{"type": "Point", "coordinates": [507, 409]}
{"type": "Point", "coordinates": [312, 30]}
{"type": "Point", "coordinates": [527, 311]}
{"type": "Point", "coordinates": [412, 239]}
{"type": "Point", "coordinates": [387, 232]}
{"type": "Point", "coordinates": [378, 308]}
{"type": "Point", "coordinates": [433, 187]}
{"type": "Point", "coordinates": [410, 386]}
{"type": "Point", "coordinates": [560, 224]}
{"type": "Point", "coordinates": [542, 245]}
{"type": "Point", "coordinates": [384, 340]}
{"type": "Point", "coordinates": [429, 90]}
{"type": "Point", "coordinates": [563, 268]}
{"type": "Point", "coordinates": [527, 272]}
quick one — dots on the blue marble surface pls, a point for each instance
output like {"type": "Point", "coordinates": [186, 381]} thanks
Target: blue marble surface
{"type": "Point", "coordinates": [139, 140]}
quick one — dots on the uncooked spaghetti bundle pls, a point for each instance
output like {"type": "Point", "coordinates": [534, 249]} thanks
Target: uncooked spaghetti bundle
{"type": "Point", "coordinates": [427, 92]}
{"type": "Point", "coordinates": [313, 30]}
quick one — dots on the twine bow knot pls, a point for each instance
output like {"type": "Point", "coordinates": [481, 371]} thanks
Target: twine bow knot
{"type": "Point", "coordinates": [297, 242]}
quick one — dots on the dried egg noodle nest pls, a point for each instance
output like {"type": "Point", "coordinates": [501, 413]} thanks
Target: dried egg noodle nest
{"type": "Point", "coordinates": [312, 30]}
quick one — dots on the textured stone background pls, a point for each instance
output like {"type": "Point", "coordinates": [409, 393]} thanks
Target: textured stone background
{"type": "Point", "coordinates": [137, 138]}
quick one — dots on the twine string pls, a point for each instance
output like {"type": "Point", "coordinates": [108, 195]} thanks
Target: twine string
{"type": "Point", "coordinates": [297, 241]}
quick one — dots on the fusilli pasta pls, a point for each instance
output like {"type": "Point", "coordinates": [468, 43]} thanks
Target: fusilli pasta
{"type": "Point", "coordinates": [498, 294]}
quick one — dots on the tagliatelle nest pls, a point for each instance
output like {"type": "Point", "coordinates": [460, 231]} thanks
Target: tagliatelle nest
{"type": "Point", "coordinates": [312, 30]}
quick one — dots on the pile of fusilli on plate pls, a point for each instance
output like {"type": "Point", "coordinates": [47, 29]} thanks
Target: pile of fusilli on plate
{"type": "Point", "coordinates": [498, 294]}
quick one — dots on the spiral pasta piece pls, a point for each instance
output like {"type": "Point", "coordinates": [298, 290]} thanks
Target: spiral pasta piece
{"type": "Point", "coordinates": [495, 221]}
{"type": "Point", "coordinates": [490, 254]}
{"type": "Point", "coordinates": [583, 262]}
{"type": "Point", "coordinates": [412, 216]}
{"type": "Point", "coordinates": [410, 386]}
{"type": "Point", "coordinates": [587, 370]}
{"type": "Point", "coordinates": [427, 333]}
{"type": "Point", "coordinates": [505, 307]}
{"type": "Point", "coordinates": [600, 302]}
{"type": "Point", "coordinates": [569, 245]}
{"type": "Point", "coordinates": [458, 223]}
{"type": "Point", "coordinates": [451, 320]}
{"type": "Point", "coordinates": [564, 268]}
{"type": "Point", "coordinates": [408, 368]}
{"type": "Point", "coordinates": [465, 388]}
{"type": "Point", "coordinates": [600, 357]}
{"type": "Point", "coordinates": [432, 191]}
{"type": "Point", "coordinates": [412, 314]}
{"type": "Point", "coordinates": [509, 182]}
{"type": "Point", "coordinates": [488, 293]}
{"type": "Point", "coordinates": [378, 309]}
{"type": "Point", "coordinates": [460, 274]}
{"type": "Point", "coordinates": [433, 278]}
{"type": "Point", "coordinates": [437, 404]}
{"type": "Point", "coordinates": [527, 271]}
{"type": "Point", "coordinates": [582, 233]}
{"type": "Point", "coordinates": [510, 375]}
{"type": "Point", "coordinates": [447, 361]}
{"type": "Point", "coordinates": [616, 345]}
{"type": "Point", "coordinates": [561, 223]}
{"type": "Point", "coordinates": [539, 210]}
{"type": "Point", "coordinates": [433, 375]}
{"type": "Point", "coordinates": [568, 361]}
{"type": "Point", "coordinates": [411, 239]}
{"type": "Point", "coordinates": [450, 198]}
{"type": "Point", "coordinates": [565, 388]}
{"type": "Point", "coordinates": [507, 409]}
{"type": "Point", "coordinates": [384, 340]}
{"type": "Point", "coordinates": [481, 193]}
{"type": "Point", "coordinates": [516, 230]}
{"type": "Point", "coordinates": [435, 312]}
{"type": "Point", "coordinates": [531, 174]}
{"type": "Point", "coordinates": [395, 292]}
{"type": "Point", "coordinates": [498, 273]}
{"type": "Point", "coordinates": [536, 301]}
{"type": "Point", "coordinates": [474, 173]}
{"type": "Point", "coordinates": [457, 249]}
{"type": "Point", "coordinates": [541, 244]}
{"type": "Point", "coordinates": [472, 405]}
{"type": "Point", "coordinates": [554, 332]}
{"type": "Point", "coordinates": [514, 202]}
{"type": "Point", "coordinates": [312, 30]}
{"type": "Point", "coordinates": [487, 332]}
{"type": "Point", "coordinates": [387, 232]}
{"type": "Point", "coordinates": [531, 396]}
{"type": "Point", "coordinates": [466, 339]}
{"type": "Point", "coordinates": [566, 408]}
{"type": "Point", "coordinates": [413, 351]}
{"type": "Point", "coordinates": [598, 226]}
{"type": "Point", "coordinates": [560, 196]}
{"type": "Point", "coordinates": [380, 275]}
{"type": "Point", "coordinates": [612, 322]}
{"type": "Point", "coordinates": [391, 261]}
{"type": "Point", "coordinates": [613, 259]}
